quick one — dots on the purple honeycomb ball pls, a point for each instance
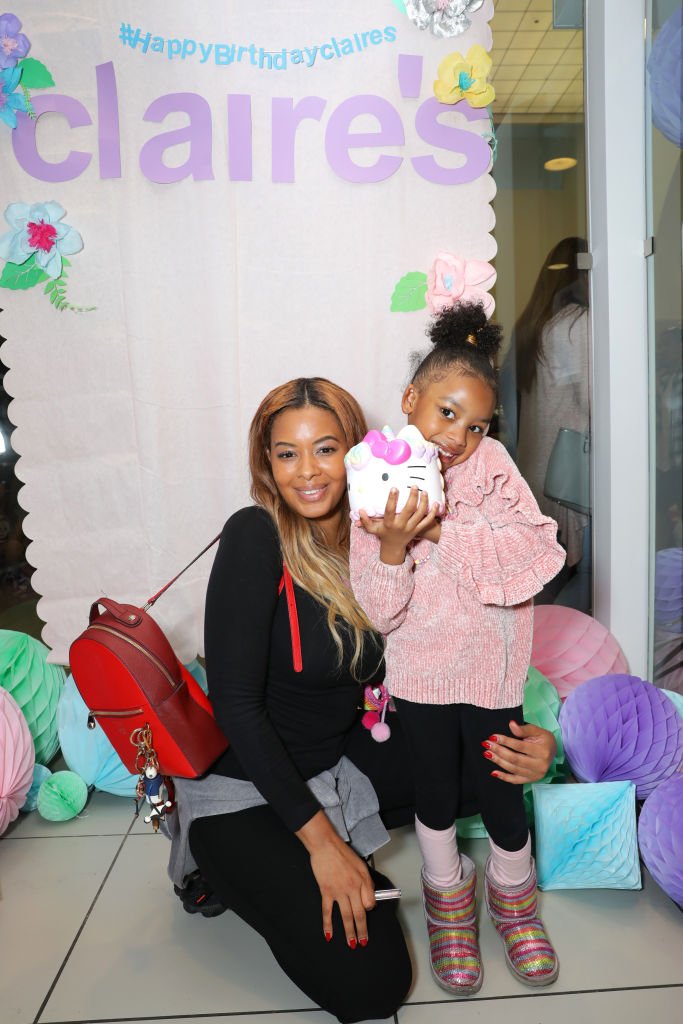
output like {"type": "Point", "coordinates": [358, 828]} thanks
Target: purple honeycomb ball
{"type": "Point", "coordinates": [619, 727]}
{"type": "Point", "coordinates": [660, 835]}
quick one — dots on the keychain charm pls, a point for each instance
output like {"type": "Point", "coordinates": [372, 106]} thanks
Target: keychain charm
{"type": "Point", "coordinates": [155, 788]}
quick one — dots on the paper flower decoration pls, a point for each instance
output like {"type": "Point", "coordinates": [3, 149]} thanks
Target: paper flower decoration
{"type": "Point", "coordinates": [35, 250]}
{"type": "Point", "coordinates": [619, 727]}
{"type": "Point", "coordinates": [451, 279]}
{"type": "Point", "coordinates": [586, 836]}
{"type": "Point", "coordinates": [35, 686]}
{"type": "Point", "coordinates": [88, 752]}
{"type": "Point", "coordinates": [10, 101]}
{"type": "Point", "coordinates": [37, 230]}
{"type": "Point", "coordinates": [443, 17]}
{"type": "Point", "coordinates": [62, 796]}
{"type": "Point", "coordinates": [570, 647]}
{"type": "Point", "coordinates": [465, 78]}
{"type": "Point", "coordinates": [40, 773]}
{"type": "Point", "coordinates": [18, 71]}
{"type": "Point", "coordinates": [16, 759]}
{"type": "Point", "coordinates": [669, 589]}
{"type": "Point", "coordinates": [13, 43]}
{"type": "Point", "coordinates": [665, 67]}
{"type": "Point", "coordinates": [660, 834]}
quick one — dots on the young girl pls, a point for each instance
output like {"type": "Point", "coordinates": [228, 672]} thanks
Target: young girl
{"type": "Point", "coordinates": [454, 599]}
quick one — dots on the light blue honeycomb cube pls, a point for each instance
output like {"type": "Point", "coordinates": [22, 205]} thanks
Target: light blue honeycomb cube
{"type": "Point", "coordinates": [586, 836]}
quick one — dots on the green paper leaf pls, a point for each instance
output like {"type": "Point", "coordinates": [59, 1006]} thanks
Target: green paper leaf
{"type": "Point", "coordinates": [20, 276]}
{"type": "Point", "coordinates": [54, 296]}
{"type": "Point", "coordinates": [66, 262]}
{"type": "Point", "coordinates": [34, 75]}
{"type": "Point", "coordinates": [49, 286]}
{"type": "Point", "coordinates": [410, 293]}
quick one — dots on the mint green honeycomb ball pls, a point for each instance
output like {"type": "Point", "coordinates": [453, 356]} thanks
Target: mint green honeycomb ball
{"type": "Point", "coordinates": [62, 796]}
{"type": "Point", "coordinates": [35, 686]}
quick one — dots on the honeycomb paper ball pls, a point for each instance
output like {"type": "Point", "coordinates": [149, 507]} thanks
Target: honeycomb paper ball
{"type": "Point", "coordinates": [660, 835]}
{"type": "Point", "coordinates": [88, 752]}
{"type": "Point", "coordinates": [40, 773]}
{"type": "Point", "coordinates": [619, 727]}
{"type": "Point", "coordinates": [570, 647]}
{"type": "Point", "coordinates": [62, 796]}
{"type": "Point", "coordinates": [16, 759]}
{"type": "Point", "coordinates": [35, 685]}
{"type": "Point", "coordinates": [669, 589]}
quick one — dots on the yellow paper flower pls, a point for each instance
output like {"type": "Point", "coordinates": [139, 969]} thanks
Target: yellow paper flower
{"type": "Point", "coordinates": [465, 78]}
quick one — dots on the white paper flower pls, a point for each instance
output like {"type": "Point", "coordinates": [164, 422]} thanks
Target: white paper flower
{"type": "Point", "coordinates": [37, 228]}
{"type": "Point", "coordinates": [444, 17]}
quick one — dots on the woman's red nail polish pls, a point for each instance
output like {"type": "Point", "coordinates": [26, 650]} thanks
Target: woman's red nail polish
{"type": "Point", "coordinates": [494, 739]}
{"type": "Point", "coordinates": [363, 942]}
{"type": "Point", "coordinates": [485, 743]}
{"type": "Point", "coordinates": [495, 775]}
{"type": "Point", "coordinates": [487, 753]}
{"type": "Point", "coordinates": [328, 936]}
{"type": "Point", "coordinates": [352, 943]}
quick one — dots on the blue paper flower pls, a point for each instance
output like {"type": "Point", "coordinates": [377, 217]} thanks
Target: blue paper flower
{"type": "Point", "coordinates": [36, 228]}
{"type": "Point", "coordinates": [13, 44]}
{"type": "Point", "coordinates": [10, 101]}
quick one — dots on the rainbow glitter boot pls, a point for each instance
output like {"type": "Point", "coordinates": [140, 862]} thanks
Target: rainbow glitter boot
{"type": "Point", "coordinates": [452, 928]}
{"type": "Point", "coordinates": [528, 950]}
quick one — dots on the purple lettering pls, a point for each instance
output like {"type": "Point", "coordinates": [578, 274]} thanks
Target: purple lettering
{"type": "Point", "coordinates": [239, 137]}
{"type": "Point", "coordinates": [457, 140]}
{"type": "Point", "coordinates": [287, 116]}
{"type": "Point", "coordinates": [339, 139]}
{"type": "Point", "coordinates": [108, 130]}
{"type": "Point", "coordinates": [24, 139]}
{"type": "Point", "coordinates": [197, 133]}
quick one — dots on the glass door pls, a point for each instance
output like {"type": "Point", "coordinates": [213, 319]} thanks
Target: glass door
{"type": "Point", "coordinates": [664, 74]}
{"type": "Point", "coordinates": [542, 264]}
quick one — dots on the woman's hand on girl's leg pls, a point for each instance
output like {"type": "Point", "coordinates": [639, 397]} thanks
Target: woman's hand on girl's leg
{"type": "Point", "coordinates": [524, 757]}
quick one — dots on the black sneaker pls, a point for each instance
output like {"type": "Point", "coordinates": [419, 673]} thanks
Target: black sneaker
{"type": "Point", "coordinates": [197, 898]}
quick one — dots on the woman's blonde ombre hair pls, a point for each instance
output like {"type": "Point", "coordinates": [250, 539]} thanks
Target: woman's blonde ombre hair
{"type": "Point", "coordinates": [320, 570]}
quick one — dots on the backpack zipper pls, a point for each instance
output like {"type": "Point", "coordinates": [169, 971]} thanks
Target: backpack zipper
{"type": "Point", "coordinates": [143, 650]}
{"type": "Point", "coordinates": [92, 715]}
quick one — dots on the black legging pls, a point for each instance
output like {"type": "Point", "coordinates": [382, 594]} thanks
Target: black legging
{"type": "Point", "coordinates": [445, 745]}
{"type": "Point", "coordinates": [262, 872]}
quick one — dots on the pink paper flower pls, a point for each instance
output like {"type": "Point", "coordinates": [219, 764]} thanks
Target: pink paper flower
{"type": "Point", "coordinates": [453, 279]}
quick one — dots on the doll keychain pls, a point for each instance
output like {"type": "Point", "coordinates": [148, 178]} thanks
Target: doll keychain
{"type": "Point", "coordinates": [156, 789]}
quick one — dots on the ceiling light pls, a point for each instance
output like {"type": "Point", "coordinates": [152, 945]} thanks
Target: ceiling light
{"type": "Point", "coordinates": [560, 163]}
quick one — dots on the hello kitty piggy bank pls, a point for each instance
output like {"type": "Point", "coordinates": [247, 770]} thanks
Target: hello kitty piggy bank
{"type": "Point", "coordinates": [382, 461]}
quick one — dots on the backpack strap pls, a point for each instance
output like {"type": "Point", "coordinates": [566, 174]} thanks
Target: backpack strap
{"type": "Point", "coordinates": [287, 583]}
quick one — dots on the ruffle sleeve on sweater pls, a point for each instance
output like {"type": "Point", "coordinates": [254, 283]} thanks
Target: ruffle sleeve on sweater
{"type": "Point", "coordinates": [383, 591]}
{"type": "Point", "coordinates": [495, 540]}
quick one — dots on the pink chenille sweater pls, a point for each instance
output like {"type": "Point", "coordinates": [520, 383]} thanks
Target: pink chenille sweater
{"type": "Point", "coordinates": [458, 615]}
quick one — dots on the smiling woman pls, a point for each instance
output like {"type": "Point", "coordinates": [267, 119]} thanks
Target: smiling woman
{"type": "Point", "coordinates": [307, 449]}
{"type": "Point", "coordinates": [255, 827]}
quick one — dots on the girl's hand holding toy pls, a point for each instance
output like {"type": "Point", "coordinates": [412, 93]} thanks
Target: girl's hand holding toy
{"type": "Point", "coordinates": [396, 530]}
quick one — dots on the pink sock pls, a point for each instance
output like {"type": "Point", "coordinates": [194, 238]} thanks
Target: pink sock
{"type": "Point", "coordinates": [510, 867]}
{"type": "Point", "coordinates": [442, 867]}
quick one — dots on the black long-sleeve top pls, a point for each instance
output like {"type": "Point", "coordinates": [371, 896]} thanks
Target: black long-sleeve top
{"type": "Point", "coordinates": [284, 726]}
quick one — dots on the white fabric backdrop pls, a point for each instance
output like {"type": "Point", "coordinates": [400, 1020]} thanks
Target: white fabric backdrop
{"type": "Point", "coordinates": [131, 421]}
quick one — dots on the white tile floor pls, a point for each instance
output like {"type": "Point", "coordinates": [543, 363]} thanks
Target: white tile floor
{"type": "Point", "coordinates": [90, 931]}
